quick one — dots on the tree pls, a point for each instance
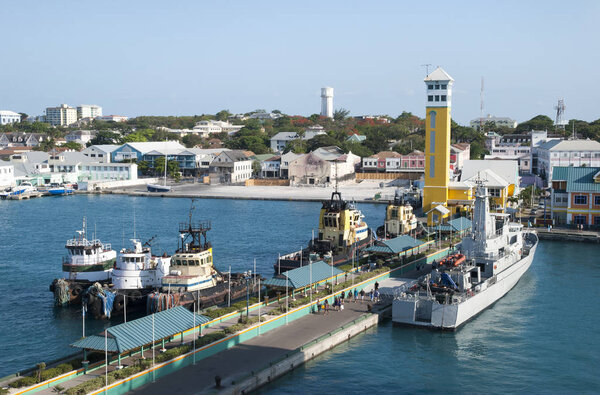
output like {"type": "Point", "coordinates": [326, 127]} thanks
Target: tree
{"type": "Point", "coordinates": [340, 114]}
{"type": "Point", "coordinates": [297, 146]}
{"type": "Point", "coordinates": [322, 140]}
{"type": "Point", "coordinates": [172, 168]}
{"type": "Point", "coordinates": [73, 145]}
{"type": "Point", "coordinates": [222, 115]}
{"type": "Point", "coordinates": [24, 116]}
{"type": "Point", "coordinates": [104, 137]}
{"type": "Point", "coordinates": [376, 141]}
{"type": "Point", "coordinates": [539, 122]}
{"type": "Point", "coordinates": [191, 140]}
{"type": "Point", "coordinates": [356, 149]}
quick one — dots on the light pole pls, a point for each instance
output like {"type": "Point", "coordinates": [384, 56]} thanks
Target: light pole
{"type": "Point", "coordinates": [247, 277]}
{"type": "Point", "coordinates": [229, 285]}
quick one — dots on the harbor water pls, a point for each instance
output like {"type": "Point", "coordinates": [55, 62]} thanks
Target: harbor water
{"type": "Point", "coordinates": [541, 337]}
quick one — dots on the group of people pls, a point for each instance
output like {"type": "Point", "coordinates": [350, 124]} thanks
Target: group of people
{"type": "Point", "coordinates": [338, 301]}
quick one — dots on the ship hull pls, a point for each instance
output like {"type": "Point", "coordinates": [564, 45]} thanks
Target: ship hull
{"type": "Point", "coordinates": [158, 188]}
{"type": "Point", "coordinates": [431, 314]}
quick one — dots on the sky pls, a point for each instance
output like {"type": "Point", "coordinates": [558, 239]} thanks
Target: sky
{"type": "Point", "coordinates": [198, 57]}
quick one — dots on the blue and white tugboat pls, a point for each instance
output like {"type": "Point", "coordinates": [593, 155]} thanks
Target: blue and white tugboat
{"type": "Point", "coordinates": [498, 252]}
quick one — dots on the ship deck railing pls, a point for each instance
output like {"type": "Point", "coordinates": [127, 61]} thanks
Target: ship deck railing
{"type": "Point", "coordinates": [87, 243]}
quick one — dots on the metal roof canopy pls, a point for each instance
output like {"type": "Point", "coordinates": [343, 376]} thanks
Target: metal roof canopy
{"type": "Point", "coordinates": [300, 277]}
{"type": "Point", "coordinates": [579, 179]}
{"type": "Point", "coordinates": [395, 245]}
{"type": "Point", "coordinates": [138, 333]}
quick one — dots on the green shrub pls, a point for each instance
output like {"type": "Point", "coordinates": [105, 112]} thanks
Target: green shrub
{"type": "Point", "coordinates": [23, 382]}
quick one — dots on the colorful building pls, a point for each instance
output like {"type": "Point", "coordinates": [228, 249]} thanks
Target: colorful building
{"type": "Point", "coordinates": [575, 197]}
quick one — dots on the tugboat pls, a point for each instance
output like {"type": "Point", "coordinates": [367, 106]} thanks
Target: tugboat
{"type": "Point", "coordinates": [399, 218]}
{"type": "Point", "coordinates": [88, 262]}
{"type": "Point", "coordinates": [137, 273]}
{"type": "Point", "coordinates": [492, 259]}
{"type": "Point", "coordinates": [194, 278]}
{"type": "Point", "coordinates": [342, 235]}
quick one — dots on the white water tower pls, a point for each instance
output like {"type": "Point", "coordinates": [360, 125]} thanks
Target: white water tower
{"type": "Point", "coordinates": [327, 102]}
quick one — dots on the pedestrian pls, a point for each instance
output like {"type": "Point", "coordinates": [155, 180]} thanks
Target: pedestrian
{"type": "Point", "coordinates": [326, 306]}
{"type": "Point", "coordinates": [355, 295]}
{"type": "Point", "coordinates": [362, 295]}
{"type": "Point", "coordinates": [342, 297]}
{"type": "Point", "coordinates": [376, 285]}
{"type": "Point", "coordinates": [371, 295]}
{"type": "Point", "coordinates": [376, 295]}
{"type": "Point", "coordinates": [318, 307]}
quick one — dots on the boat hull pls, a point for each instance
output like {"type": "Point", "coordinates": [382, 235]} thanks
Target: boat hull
{"type": "Point", "coordinates": [158, 188]}
{"type": "Point", "coordinates": [431, 314]}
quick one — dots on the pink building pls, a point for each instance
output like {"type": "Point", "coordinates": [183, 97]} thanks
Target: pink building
{"type": "Point", "coordinates": [393, 162]}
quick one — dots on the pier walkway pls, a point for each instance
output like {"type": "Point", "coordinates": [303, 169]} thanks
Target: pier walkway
{"type": "Point", "coordinates": [239, 361]}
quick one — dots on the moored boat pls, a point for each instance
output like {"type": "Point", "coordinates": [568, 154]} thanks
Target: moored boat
{"type": "Point", "coordinates": [342, 236]}
{"type": "Point", "coordinates": [87, 262]}
{"type": "Point", "coordinates": [492, 259]}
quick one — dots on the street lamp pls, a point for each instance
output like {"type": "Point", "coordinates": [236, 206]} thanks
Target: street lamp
{"type": "Point", "coordinates": [247, 276]}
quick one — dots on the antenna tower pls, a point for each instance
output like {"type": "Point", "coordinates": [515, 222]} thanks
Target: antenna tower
{"type": "Point", "coordinates": [560, 112]}
{"type": "Point", "coordinates": [426, 68]}
{"type": "Point", "coordinates": [481, 107]}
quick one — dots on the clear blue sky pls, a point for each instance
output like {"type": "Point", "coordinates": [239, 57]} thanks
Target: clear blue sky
{"type": "Point", "coordinates": [191, 57]}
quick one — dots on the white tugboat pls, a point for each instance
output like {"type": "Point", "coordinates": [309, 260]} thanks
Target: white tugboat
{"type": "Point", "coordinates": [493, 258]}
{"type": "Point", "coordinates": [137, 273]}
{"type": "Point", "coordinates": [88, 262]}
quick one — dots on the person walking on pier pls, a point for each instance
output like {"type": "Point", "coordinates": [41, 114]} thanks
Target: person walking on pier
{"type": "Point", "coordinates": [362, 295]}
{"type": "Point", "coordinates": [355, 295]}
{"type": "Point", "coordinates": [326, 307]}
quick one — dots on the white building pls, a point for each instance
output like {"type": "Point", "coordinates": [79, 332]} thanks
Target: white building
{"type": "Point", "coordinates": [7, 117]}
{"type": "Point", "coordinates": [575, 153]}
{"type": "Point", "coordinates": [112, 118]}
{"type": "Point", "coordinates": [7, 174]}
{"type": "Point", "coordinates": [208, 127]}
{"type": "Point", "coordinates": [262, 116]}
{"type": "Point", "coordinates": [286, 159]}
{"type": "Point", "coordinates": [100, 153]}
{"type": "Point", "coordinates": [323, 166]}
{"type": "Point", "coordinates": [80, 136]}
{"type": "Point", "coordinates": [62, 115]}
{"type": "Point", "coordinates": [327, 102]}
{"type": "Point", "coordinates": [519, 153]}
{"type": "Point", "coordinates": [281, 139]}
{"type": "Point", "coordinates": [88, 111]}
{"type": "Point", "coordinates": [230, 167]}
{"type": "Point", "coordinates": [497, 121]}
{"type": "Point", "coordinates": [271, 168]}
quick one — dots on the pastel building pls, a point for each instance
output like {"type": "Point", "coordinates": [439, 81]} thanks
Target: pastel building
{"type": "Point", "coordinates": [7, 117]}
{"type": "Point", "coordinates": [62, 115]}
{"type": "Point", "coordinates": [88, 111]}
{"type": "Point", "coordinates": [575, 196]}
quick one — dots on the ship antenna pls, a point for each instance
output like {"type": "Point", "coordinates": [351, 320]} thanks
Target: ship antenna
{"type": "Point", "coordinates": [192, 208]}
{"type": "Point", "coordinates": [336, 177]}
{"type": "Point", "coordinates": [134, 222]}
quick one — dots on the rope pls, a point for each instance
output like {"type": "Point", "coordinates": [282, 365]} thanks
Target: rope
{"type": "Point", "coordinates": [61, 292]}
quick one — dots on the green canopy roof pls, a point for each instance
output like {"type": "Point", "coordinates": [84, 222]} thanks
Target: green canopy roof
{"type": "Point", "coordinates": [579, 179]}
{"type": "Point", "coordinates": [395, 245]}
{"type": "Point", "coordinates": [137, 333]}
{"type": "Point", "coordinates": [301, 277]}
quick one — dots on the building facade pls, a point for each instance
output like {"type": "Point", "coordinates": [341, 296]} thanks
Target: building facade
{"type": "Point", "coordinates": [565, 153]}
{"type": "Point", "coordinates": [8, 117]}
{"type": "Point", "coordinates": [88, 111]}
{"type": "Point", "coordinates": [7, 174]}
{"type": "Point", "coordinates": [497, 121]}
{"type": "Point", "coordinates": [230, 167]}
{"type": "Point", "coordinates": [575, 196]}
{"type": "Point", "coordinates": [62, 115]}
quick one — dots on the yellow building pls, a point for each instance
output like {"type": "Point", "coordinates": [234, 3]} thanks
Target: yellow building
{"type": "Point", "coordinates": [437, 143]}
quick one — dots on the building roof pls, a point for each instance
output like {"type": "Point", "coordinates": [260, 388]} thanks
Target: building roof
{"type": "Point", "coordinates": [506, 169]}
{"type": "Point", "coordinates": [301, 277]}
{"type": "Point", "coordinates": [137, 333]}
{"type": "Point", "coordinates": [489, 177]}
{"type": "Point", "coordinates": [108, 148]}
{"type": "Point", "coordinates": [461, 146]}
{"type": "Point", "coordinates": [570, 145]}
{"type": "Point", "coordinates": [8, 112]}
{"type": "Point", "coordinates": [328, 153]}
{"type": "Point", "coordinates": [455, 225]}
{"type": "Point", "coordinates": [439, 75]}
{"type": "Point", "coordinates": [395, 245]}
{"type": "Point", "coordinates": [356, 137]}
{"type": "Point", "coordinates": [387, 154]}
{"type": "Point", "coordinates": [159, 146]}
{"type": "Point", "coordinates": [579, 179]}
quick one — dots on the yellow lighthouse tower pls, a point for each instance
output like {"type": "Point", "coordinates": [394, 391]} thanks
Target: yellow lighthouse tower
{"type": "Point", "coordinates": [437, 143]}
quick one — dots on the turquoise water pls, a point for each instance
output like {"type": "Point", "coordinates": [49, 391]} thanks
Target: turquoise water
{"type": "Point", "coordinates": [542, 337]}
{"type": "Point", "coordinates": [33, 234]}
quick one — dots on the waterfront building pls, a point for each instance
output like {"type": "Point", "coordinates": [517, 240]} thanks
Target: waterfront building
{"type": "Point", "coordinates": [323, 166]}
{"type": "Point", "coordinates": [550, 154]}
{"type": "Point", "coordinates": [497, 121]}
{"type": "Point", "coordinates": [62, 115]}
{"type": "Point", "coordinates": [282, 139]}
{"type": "Point", "coordinates": [394, 162]}
{"type": "Point", "coordinates": [8, 117]}
{"type": "Point", "coordinates": [100, 153]}
{"type": "Point", "coordinates": [112, 118]}
{"type": "Point", "coordinates": [437, 141]}
{"type": "Point", "coordinates": [136, 151]}
{"type": "Point", "coordinates": [327, 102]}
{"type": "Point", "coordinates": [208, 127]}
{"type": "Point", "coordinates": [286, 159]}
{"type": "Point", "coordinates": [377, 163]}
{"type": "Point", "coordinates": [88, 111]}
{"type": "Point", "coordinates": [271, 168]}
{"type": "Point", "coordinates": [230, 167]}
{"type": "Point", "coordinates": [7, 174]}
{"type": "Point", "coordinates": [575, 195]}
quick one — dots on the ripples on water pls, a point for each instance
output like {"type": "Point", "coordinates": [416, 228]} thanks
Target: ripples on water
{"type": "Point", "coordinates": [542, 337]}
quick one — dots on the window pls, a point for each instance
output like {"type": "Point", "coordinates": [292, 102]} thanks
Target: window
{"type": "Point", "coordinates": [430, 86]}
{"type": "Point", "coordinates": [494, 192]}
{"type": "Point", "coordinates": [432, 166]}
{"type": "Point", "coordinates": [432, 142]}
{"type": "Point", "coordinates": [597, 200]}
{"type": "Point", "coordinates": [443, 97]}
{"type": "Point", "coordinates": [579, 219]}
{"type": "Point", "coordinates": [432, 115]}
{"type": "Point", "coordinates": [444, 86]}
{"type": "Point", "coordinates": [597, 221]}
{"type": "Point", "coordinates": [437, 86]}
{"type": "Point", "coordinates": [580, 199]}
{"type": "Point", "coordinates": [429, 98]}
{"type": "Point", "coordinates": [437, 98]}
